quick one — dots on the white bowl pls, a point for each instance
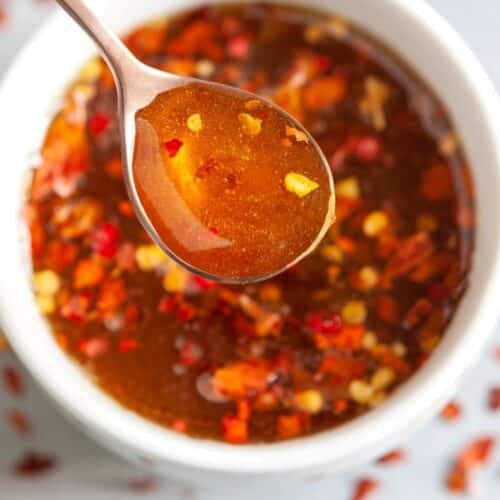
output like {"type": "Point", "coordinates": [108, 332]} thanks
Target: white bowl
{"type": "Point", "coordinates": [28, 98]}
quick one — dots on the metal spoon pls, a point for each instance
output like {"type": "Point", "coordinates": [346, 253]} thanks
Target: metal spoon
{"type": "Point", "coordinates": [137, 86]}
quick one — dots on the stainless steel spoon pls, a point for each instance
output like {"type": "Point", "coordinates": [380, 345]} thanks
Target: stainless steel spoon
{"type": "Point", "coordinates": [137, 85]}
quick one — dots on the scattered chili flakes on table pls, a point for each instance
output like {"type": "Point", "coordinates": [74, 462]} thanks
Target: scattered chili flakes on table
{"type": "Point", "coordinates": [321, 344]}
{"type": "Point", "coordinates": [34, 464]}
{"type": "Point", "coordinates": [474, 456]}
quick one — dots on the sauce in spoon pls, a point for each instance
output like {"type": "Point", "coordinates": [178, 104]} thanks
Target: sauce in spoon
{"type": "Point", "coordinates": [228, 182]}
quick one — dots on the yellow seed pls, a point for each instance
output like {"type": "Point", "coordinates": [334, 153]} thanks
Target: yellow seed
{"type": "Point", "coordinates": [310, 401]}
{"type": "Point", "coordinates": [368, 277]}
{"type": "Point", "coordinates": [46, 282]}
{"type": "Point", "coordinates": [399, 349]}
{"type": "Point", "coordinates": [332, 253]}
{"type": "Point", "coordinates": [149, 257]}
{"type": "Point", "coordinates": [300, 184]}
{"type": "Point", "coordinates": [46, 303]}
{"type": "Point", "coordinates": [348, 188]}
{"type": "Point", "coordinates": [375, 223]}
{"type": "Point", "coordinates": [91, 71]}
{"type": "Point", "coordinates": [339, 27]}
{"type": "Point", "coordinates": [249, 124]}
{"type": "Point", "coordinates": [354, 312]}
{"type": "Point", "coordinates": [369, 341]}
{"type": "Point", "coordinates": [176, 279]}
{"type": "Point", "coordinates": [204, 68]}
{"type": "Point", "coordinates": [253, 104]}
{"type": "Point", "coordinates": [194, 123]}
{"type": "Point", "coordinates": [383, 378]}
{"type": "Point", "coordinates": [426, 222]}
{"type": "Point", "coordinates": [297, 134]}
{"type": "Point", "coordinates": [360, 391]}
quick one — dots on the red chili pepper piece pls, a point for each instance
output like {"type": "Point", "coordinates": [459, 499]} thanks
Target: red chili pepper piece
{"type": "Point", "coordinates": [34, 464]}
{"type": "Point", "coordinates": [128, 345]}
{"type": "Point", "coordinates": [323, 62]}
{"type": "Point", "coordinates": [235, 430]}
{"type": "Point", "coordinates": [19, 422]}
{"type": "Point", "coordinates": [13, 381]}
{"type": "Point", "coordinates": [173, 146]}
{"type": "Point", "coordinates": [105, 240]}
{"type": "Point", "coordinates": [93, 348]}
{"type": "Point", "coordinates": [393, 457]}
{"type": "Point", "coordinates": [179, 425]}
{"type": "Point", "coordinates": [143, 485]}
{"type": "Point", "coordinates": [452, 411]}
{"type": "Point", "coordinates": [239, 46]}
{"type": "Point", "coordinates": [326, 323]}
{"type": "Point", "coordinates": [364, 488]}
{"type": "Point", "coordinates": [368, 148]}
{"type": "Point", "coordinates": [99, 123]}
{"type": "Point", "coordinates": [494, 398]}
{"type": "Point", "coordinates": [475, 455]}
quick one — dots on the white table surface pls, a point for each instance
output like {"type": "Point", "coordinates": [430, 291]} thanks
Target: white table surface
{"type": "Point", "coordinates": [86, 472]}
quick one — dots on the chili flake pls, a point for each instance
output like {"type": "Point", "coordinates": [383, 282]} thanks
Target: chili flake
{"type": "Point", "coordinates": [173, 146]}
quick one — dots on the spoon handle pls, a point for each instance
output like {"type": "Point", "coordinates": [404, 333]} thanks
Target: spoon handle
{"type": "Point", "coordinates": [119, 58]}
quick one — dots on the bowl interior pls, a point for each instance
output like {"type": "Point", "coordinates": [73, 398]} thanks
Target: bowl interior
{"type": "Point", "coordinates": [28, 98]}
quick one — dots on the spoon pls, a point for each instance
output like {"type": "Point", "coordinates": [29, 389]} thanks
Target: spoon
{"type": "Point", "coordinates": [266, 229]}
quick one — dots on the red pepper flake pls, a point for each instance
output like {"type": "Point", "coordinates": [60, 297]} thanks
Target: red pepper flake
{"type": "Point", "coordinates": [235, 430]}
{"type": "Point", "coordinates": [34, 464]}
{"type": "Point", "coordinates": [364, 488]}
{"type": "Point", "coordinates": [99, 123]}
{"type": "Point", "coordinates": [393, 457]}
{"type": "Point", "coordinates": [143, 484]}
{"type": "Point", "coordinates": [325, 323]}
{"type": "Point", "coordinates": [238, 47]}
{"type": "Point", "coordinates": [451, 412]}
{"type": "Point", "coordinates": [368, 149]}
{"type": "Point", "coordinates": [185, 313]}
{"type": "Point", "coordinates": [76, 308]}
{"type": "Point", "coordinates": [290, 426]}
{"type": "Point", "coordinates": [167, 305]}
{"type": "Point", "coordinates": [3, 16]}
{"type": "Point", "coordinates": [494, 399]}
{"type": "Point", "coordinates": [13, 381]}
{"type": "Point", "coordinates": [340, 406]}
{"type": "Point", "coordinates": [473, 456]}
{"type": "Point", "coordinates": [243, 410]}
{"type": "Point", "coordinates": [203, 283]}
{"type": "Point", "coordinates": [128, 345]}
{"type": "Point", "coordinates": [213, 230]}
{"type": "Point", "coordinates": [19, 422]}
{"type": "Point", "coordinates": [173, 146]}
{"type": "Point", "coordinates": [93, 348]}
{"type": "Point", "coordinates": [323, 62]}
{"type": "Point", "coordinates": [388, 309]}
{"type": "Point", "coordinates": [179, 425]}
{"type": "Point", "coordinates": [105, 240]}
{"type": "Point", "coordinates": [190, 353]}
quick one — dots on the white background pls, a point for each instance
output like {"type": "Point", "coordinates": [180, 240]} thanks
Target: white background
{"type": "Point", "coordinates": [85, 472]}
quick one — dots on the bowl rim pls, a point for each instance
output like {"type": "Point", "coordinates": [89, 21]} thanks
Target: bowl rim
{"type": "Point", "coordinates": [415, 401]}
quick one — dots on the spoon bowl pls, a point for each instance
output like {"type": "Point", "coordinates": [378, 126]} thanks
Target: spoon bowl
{"type": "Point", "coordinates": [138, 85]}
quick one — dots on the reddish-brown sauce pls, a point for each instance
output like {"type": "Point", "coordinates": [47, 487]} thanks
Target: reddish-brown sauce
{"type": "Point", "coordinates": [317, 346]}
{"type": "Point", "coordinates": [231, 187]}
